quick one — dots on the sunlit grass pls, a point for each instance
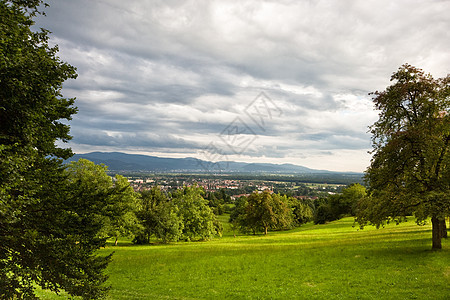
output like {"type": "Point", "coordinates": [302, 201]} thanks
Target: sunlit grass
{"type": "Point", "coordinates": [332, 261]}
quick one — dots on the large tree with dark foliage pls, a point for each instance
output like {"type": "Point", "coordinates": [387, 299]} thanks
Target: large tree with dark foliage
{"type": "Point", "coordinates": [43, 239]}
{"type": "Point", "coordinates": [410, 168]}
{"type": "Point", "coordinates": [337, 206]}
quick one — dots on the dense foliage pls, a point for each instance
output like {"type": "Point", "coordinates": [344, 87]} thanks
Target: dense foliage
{"type": "Point", "coordinates": [110, 201]}
{"type": "Point", "coordinates": [217, 201]}
{"type": "Point", "coordinates": [410, 168]}
{"type": "Point", "coordinates": [337, 206]}
{"type": "Point", "coordinates": [158, 217]}
{"type": "Point", "coordinates": [261, 212]}
{"type": "Point", "coordinates": [197, 216]}
{"type": "Point", "coordinates": [46, 236]}
{"type": "Point", "coordinates": [184, 215]}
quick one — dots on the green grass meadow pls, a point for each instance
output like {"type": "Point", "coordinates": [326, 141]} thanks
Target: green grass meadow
{"type": "Point", "coordinates": [331, 261]}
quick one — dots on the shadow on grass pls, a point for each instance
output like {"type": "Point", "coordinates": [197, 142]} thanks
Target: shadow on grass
{"type": "Point", "coordinates": [129, 244]}
{"type": "Point", "coordinates": [420, 247]}
{"type": "Point", "coordinates": [390, 232]}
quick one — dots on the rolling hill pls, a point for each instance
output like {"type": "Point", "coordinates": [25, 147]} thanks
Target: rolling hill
{"type": "Point", "coordinates": [118, 161]}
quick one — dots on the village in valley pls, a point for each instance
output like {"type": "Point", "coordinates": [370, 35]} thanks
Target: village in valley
{"type": "Point", "coordinates": [236, 186]}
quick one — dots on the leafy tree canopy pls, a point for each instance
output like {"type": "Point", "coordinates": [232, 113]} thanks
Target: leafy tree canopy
{"type": "Point", "coordinates": [261, 212]}
{"type": "Point", "coordinates": [410, 167]}
{"type": "Point", "coordinates": [197, 216]}
{"type": "Point", "coordinates": [158, 216]}
{"type": "Point", "coordinates": [336, 206]}
{"type": "Point", "coordinates": [43, 239]}
{"type": "Point", "coordinates": [111, 201]}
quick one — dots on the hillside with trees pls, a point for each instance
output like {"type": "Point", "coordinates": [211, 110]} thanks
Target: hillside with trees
{"type": "Point", "coordinates": [62, 217]}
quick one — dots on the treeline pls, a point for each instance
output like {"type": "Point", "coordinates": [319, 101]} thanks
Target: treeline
{"type": "Point", "coordinates": [182, 215]}
{"type": "Point", "coordinates": [120, 211]}
{"type": "Point", "coordinates": [261, 212]}
{"type": "Point", "coordinates": [337, 206]}
{"type": "Point", "coordinates": [189, 213]}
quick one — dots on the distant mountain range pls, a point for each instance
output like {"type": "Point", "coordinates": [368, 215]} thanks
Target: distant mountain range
{"type": "Point", "coordinates": [117, 161]}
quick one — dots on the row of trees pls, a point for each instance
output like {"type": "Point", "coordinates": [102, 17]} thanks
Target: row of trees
{"type": "Point", "coordinates": [261, 212]}
{"type": "Point", "coordinates": [336, 206]}
{"type": "Point", "coordinates": [119, 211]}
{"type": "Point", "coordinates": [184, 215]}
{"type": "Point", "coordinates": [190, 213]}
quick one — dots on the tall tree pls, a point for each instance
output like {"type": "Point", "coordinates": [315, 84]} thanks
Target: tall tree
{"type": "Point", "coordinates": [197, 216]}
{"type": "Point", "coordinates": [41, 242]}
{"type": "Point", "coordinates": [148, 201]}
{"type": "Point", "coordinates": [410, 167]}
{"type": "Point", "coordinates": [238, 215]}
{"type": "Point", "coordinates": [264, 211]}
{"type": "Point", "coordinates": [301, 211]}
{"type": "Point", "coordinates": [122, 220]}
{"type": "Point", "coordinates": [111, 201]}
{"type": "Point", "coordinates": [158, 216]}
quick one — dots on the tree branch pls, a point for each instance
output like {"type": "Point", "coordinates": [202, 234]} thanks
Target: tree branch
{"type": "Point", "coordinates": [441, 156]}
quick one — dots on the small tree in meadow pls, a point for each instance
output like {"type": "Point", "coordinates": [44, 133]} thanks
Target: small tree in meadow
{"type": "Point", "coordinates": [261, 212]}
{"type": "Point", "coordinates": [158, 216]}
{"type": "Point", "coordinates": [196, 215]}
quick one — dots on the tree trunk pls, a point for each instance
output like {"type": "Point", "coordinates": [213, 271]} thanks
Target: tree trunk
{"type": "Point", "coordinates": [115, 243]}
{"type": "Point", "coordinates": [448, 228]}
{"type": "Point", "coordinates": [443, 228]}
{"type": "Point", "coordinates": [437, 233]}
{"type": "Point", "coordinates": [265, 230]}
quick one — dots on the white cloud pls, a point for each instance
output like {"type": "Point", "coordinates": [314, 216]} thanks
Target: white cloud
{"type": "Point", "coordinates": [178, 72]}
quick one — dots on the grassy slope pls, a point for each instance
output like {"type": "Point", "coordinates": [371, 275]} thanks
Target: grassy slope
{"type": "Point", "coordinates": [332, 261]}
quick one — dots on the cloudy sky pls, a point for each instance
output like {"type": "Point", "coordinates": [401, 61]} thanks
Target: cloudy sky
{"type": "Point", "coordinates": [257, 81]}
